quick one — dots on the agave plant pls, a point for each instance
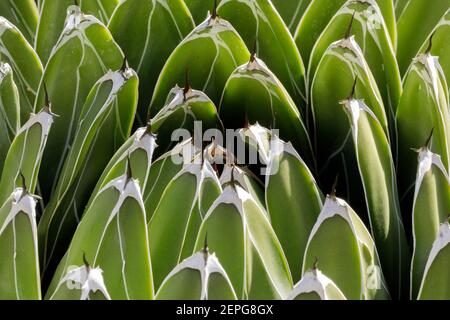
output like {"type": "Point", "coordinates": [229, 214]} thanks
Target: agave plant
{"type": "Point", "coordinates": [232, 149]}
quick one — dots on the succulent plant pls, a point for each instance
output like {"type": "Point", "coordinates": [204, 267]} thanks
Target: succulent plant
{"type": "Point", "coordinates": [223, 150]}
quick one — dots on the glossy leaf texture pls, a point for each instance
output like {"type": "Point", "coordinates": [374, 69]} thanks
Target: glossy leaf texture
{"type": "Point", "coordinates": [185, 110]}
{"type": "Point", "coordinates": [27, 68]}
{"type": "Point", "coordinates": [23, 14]}
{"type": "Point", "coordinates": [105, 124]}
{"type": "Point", "coordinates": [157, 26]}
{"type": "Point", "coordinates": [254, 94]}
{"type": "Point", "coordinates": [314, 285]}
{"type": "Point", "coordinates": [174, 226]}
{"type": "Point", "coordinates": [423, 109]}
{"type": "Point", "coordinates": [293, 201]}
{"type": "Point", "coordinates": [209, 54]}
{"type": "Point", "coordinates": [343, 247]}
{"type": "Point", "coordinates": [291, 11]}
{"type": "Point", "coordinates": [377, 173]}
{"type": "Point", "coordinates": [19, 267]}
{"type": "Point", "coordinates": [371, 33]}
{"type": "Point", "coordinates": [84, 53]}
{"type": "Point", "coordinates": [436, 280]}
{"type": "Point", "coordinates": [199, 277]}
{"type": "Point", "coordinates": [410, 38]}
{"type": "Point", "coordinates": [341, 70]}
{"type": "Point", "coordinates": [112, 236]}
{"type": "Point", "coordinates": [440, 44]}
{"type": "Point", "coordinates": [241, 236]}
{"type": "Point", "coordinates": [263, 30]}
{"type": "Point", "coordinates": [320, 12]}
{"type": "Point", "coordinates": [431, 206]}
{"type": "Point", "coordinates": [52, 20]}
{"type": "Point", "coordinates": [24, 157]}
{"type": "Point", "coordinates": [10, 110]}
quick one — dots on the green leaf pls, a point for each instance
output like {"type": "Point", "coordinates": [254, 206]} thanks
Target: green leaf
{"type": "Point", "coordinates": [200, 9]}
{"type": "Point", "coordinates": [105, 123]}
{"type": "Point", "coordinates": [293, 201]}
{"type": "Point", "coordinates": [23, 14]}
{"type": "Point", "coordinates": [180, 112]}
{"type": "Point", "coordinates": [163, 170]}
{"type": "Point", "coordinates": [410, 38]}
{"type": "Point", "coordinates": [291, 11]}
{"type": "Point", "coordinates": [241, 236]}
{"type": "Point", "coordinates": [174, 226]}
{"type": "Point", "coordinates": [440, 45]}
{"type": "Point", "coordinates": [436, 280]}
{"type": "Point", "coordinates": [84, 53]}
{"type": "Point", "coordinates": [199, 277]}
{"type": "Point", "coordinates": [371, 33]}
{"type": "Point", "coordinates": [209, 54]}
{"type": "Point", "coordinates": [254, 94]}
{"type": "Point", "coordinates": [23, 160]}
{"type": "Point", "coordinates": [27, 68]}
{"type": "Point", "coordinates": [19, 267]}
{"type": "Point", "coordinates": [423, 108]}
{"type": "Point", "coordinates": [10, 110]}
{"type": "Point", "coordinates": [431, 206]}
{"type": "Point", "coordinates": [113, 237]}
{"type": "Point", "coordinates": [320, 12]}
{"type": "Point", "coordinates": [314, 285]}
{"type": "Point", "coordinates": [263, 29]}
{"type": "Point", "coordinates": [377, 174]}
{"type": "Point", "coordinates": [157, 28]}
{"type": "Point", "coordinates": [346, 252]}
{"type": "Point", "coordinates": [52, 20]}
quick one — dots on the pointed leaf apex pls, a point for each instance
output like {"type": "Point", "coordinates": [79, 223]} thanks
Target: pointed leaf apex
{"type": "Point", "coordinates": [430, 44]}
{"type": "Point", "coordinates": [214, 12]}
{"type": "Point", "coordinates": [429, 139]}
{"type": "Point", "coordinates": [129, 173]}
{"type": "Point", "coordinates": [350, 26]}
{"type": "Point", "coordinates": [86, 263]}
{"type": "Point", "coordinates": [315, 263]}
{"type": "Point", "coordinates": [333, 188]}
{"type": "Point", "coordinates": [124, 64]}
{"type": "Point", "coordinates": [205, 248]}
{"type": "Point", "coordinates": [187, 86]}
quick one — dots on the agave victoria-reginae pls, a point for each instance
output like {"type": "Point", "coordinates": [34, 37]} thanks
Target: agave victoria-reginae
{"type": "Point", "coordinates": [233, 149]}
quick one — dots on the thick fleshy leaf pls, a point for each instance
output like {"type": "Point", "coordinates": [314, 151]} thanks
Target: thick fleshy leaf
{"type": "Point", "coordinates": [181, 112]}
{"type": "Point", "coordinates": [84, 53]}
{"type": "Point", "coordinates": [431, 206]}
{"type": "Point", "coordinates": [291, 11]}
{"type": "Point", "coordinates": [163, 170]}
{"type": "Point", "coordinates": [19, 267]}
{"type": "Point", "coordinates": [23, 160]}
{"type": "Point", "coordinates": [23, 14]}
{"type": "Point", "coordinates": [411, 38]}
{"type": "Point", "coordinates": [314, 285]}
{"type": "Point", "coordinates": [371, 33]}
{"type": "Point", "coordinates": [174, 226]}
{"type": "Point", "coordinates": [320, 12]}
{"type": "Point", "coordinates": [436, 280]}
{"type": "Point", "coordinates": [105, 123]}
{"type": "Point", "coordinates": [377, 173]}
{"type": "Point", "coordinates": [10, 110]}
{"type": "Point", "coordinates": [293, 201]}
{"type": "Point", "coordinates": [52, 20]}
{"type": "Point", "coordinates": [27, 68]}
{"type": "Point", "coordinates": [341, 64]}
{"type": "Point", "coordinates": [200, 9]}
{"type": "Point", "coordinates": [157, 28]}
{"type": "Point", "coordinates": [137, 151]}
{"type": "Point", "coordinates": [440, 45]}
{"type": "Point", "coordinates": [346, 252]}
{"type": "Point", "coordinates": [262, 28]}
{"type": "Point", "coordinates": [240, 234]}
{"type": "Point", "coordinates": [254, 94]}
{"type": "Point", "coordinates": [199, 277]}
{"type": "Point", "coordinates": [423, 108]}
{"type": "Point", "coordinates": [113, 237]}
{"type": "Point", "coordinates": [209, 54]}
